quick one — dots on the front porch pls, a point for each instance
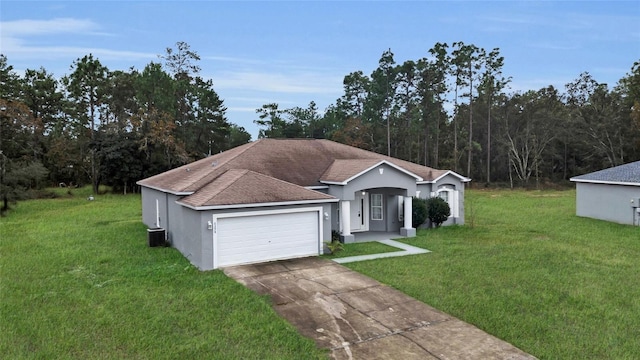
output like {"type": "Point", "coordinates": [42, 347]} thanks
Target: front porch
{"type": "Point", "coordinates": [375, 236]}
{"type": "Point", "coordinates": [376, 214]}
{"type": "Point", "coordinates": [375, 199]}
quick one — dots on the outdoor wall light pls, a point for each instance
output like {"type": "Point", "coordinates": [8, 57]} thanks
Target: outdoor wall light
{"type": "Point", "coordinates": [381, 170]}
{"type": "Point", "coordinates": [364, 193]}
{"type": "Point", "coordinates": [209, 225]}
{"type": "Point", "coordinates": [326, 216]}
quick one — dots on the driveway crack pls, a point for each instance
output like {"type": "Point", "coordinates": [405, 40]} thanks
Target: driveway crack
{"type": "Point", "coordinates": [400, 332]}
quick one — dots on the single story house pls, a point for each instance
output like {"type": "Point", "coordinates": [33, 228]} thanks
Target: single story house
{"type": "Point", "coordinates": [275, 199]}
{"type": "Point", "coordinates": [611, 194]}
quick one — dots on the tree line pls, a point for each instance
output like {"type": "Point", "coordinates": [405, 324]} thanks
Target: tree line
{"type": "Point", "coordinates": [453, 109]}
{"type": "Point", "coordinates": [96, 126]}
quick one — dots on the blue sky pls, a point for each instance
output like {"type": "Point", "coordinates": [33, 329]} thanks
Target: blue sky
{"type": "Point", "coordinates": [294, 52]}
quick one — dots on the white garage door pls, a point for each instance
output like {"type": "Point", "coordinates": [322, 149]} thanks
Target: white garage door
{"type": "Point", "coordinates": [266, 237]}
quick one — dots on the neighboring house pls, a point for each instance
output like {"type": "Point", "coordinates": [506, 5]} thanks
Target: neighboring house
{"type": "Point", "coordinates": [282, 198]}
{"type": "Point", "coordinates": [612, 194]}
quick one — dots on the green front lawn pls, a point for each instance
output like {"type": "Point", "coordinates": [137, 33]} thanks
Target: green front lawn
{"type": "Point", "coordinates": [364, 248]}
{"type": "Point", "coordinates": [530, 272]}
{"type": "Point", "coordinates": [77, 280]}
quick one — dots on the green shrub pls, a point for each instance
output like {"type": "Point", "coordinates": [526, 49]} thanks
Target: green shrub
{"type": "Point", "coordinates": [438, 210]}
{"type": "Point", "coordinates": [335, 236]}
{"type": "Point", "coordinates": [334, 246]}
{"type": "Point", "coordinates": [419, 212]}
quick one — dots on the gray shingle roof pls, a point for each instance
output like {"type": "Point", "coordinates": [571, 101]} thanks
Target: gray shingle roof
{"type": "Point", "coordinates": [625, 174]}
{"type": "Point", "coordinates": [298, 163]}
{"type": "Point", "coordinates": [236, 187]}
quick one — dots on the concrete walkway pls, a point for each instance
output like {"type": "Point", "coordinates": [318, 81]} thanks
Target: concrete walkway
{"type": "Point", "coordinates": [356, 317]}
{"type": "Point", "coordinates": [406, 250]}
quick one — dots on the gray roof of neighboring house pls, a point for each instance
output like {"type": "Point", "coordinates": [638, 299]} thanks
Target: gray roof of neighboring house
{"type": "Point", "coordinates": [228, 178]}
{"type": "Point", "coordinates": [627, 174]}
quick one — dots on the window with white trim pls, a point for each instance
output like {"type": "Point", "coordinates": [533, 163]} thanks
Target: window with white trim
{"type": "Point", "coordinates": [448, 194]}
{"type": "Point", "coordinates": [376, 207]}
{"type": "Point", "coordinates": [444, 195]}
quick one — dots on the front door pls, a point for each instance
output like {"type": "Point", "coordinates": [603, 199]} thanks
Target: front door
{"type": "Point", "coordinates": [360, 212]}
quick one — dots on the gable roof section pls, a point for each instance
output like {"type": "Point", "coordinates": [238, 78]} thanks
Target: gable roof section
{"type": "Point", "coordinates": [627, 174]}
{"type": "Point", "coordinates": [242, 187]}
{"type": "Point", "coordinates": [343, 171]}
{"type": "Point", "coordinates": [186, 179]}
{"type": "Point", "coordinates": [449, 172]}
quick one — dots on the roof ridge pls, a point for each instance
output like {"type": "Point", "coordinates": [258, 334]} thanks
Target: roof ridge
{"type": "Point", "coordinates": [242, 172]}
{"type": "Point", "coordinates": [222, 165]}
{"type": "Point", "coordinates": [250, 145]}
{"type": "Point", "coordinates": [321, 143]}
{"type": "Point", "coordinates": [205, 159]}
{"type": "Point", "coordinates": [278, 180]}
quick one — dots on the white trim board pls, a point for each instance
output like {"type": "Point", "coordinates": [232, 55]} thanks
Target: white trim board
{"type": "Point", "coordinates": [605, 182]}
{"type": "Point", "coordinates": [254, 205]}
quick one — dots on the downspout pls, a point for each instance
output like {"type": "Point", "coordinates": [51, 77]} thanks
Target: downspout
{"type": "Point", "coordinates": [157, 223]}
{"type": "Point", "coordinates": [166, 206]}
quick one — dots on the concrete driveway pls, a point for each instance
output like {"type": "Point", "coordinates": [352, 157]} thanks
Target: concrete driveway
{"type": "Point", "coordinates": [356, 317]}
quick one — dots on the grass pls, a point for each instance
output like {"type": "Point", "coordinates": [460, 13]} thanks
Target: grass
{"type": "Point", "coordinates": [77, 281]}
{"type": "Point", "coordinates": [532, 273]}
{"type": "Point", "coordinates": [365, 248]}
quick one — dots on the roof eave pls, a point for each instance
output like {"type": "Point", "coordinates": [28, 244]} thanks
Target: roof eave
{"type": "Point", "coordinates": [604, 182]}
{"type": "Point", "coordinates": [178, 193]}
{"type": "Point", "coordinates": [334, 182]}
{"type": "Point", "coordinates": [253, 205]}
{"type": "Point", "coordinates": [417, 177]}
{"type": "Point", "coordinates": [316, 187]}
{"type": "Point", "coordinates": [345, 182]}
{"type": "Point", "coordinates": [449, 172]}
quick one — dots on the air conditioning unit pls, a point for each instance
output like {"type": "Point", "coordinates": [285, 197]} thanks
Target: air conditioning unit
{"type": "Point", "coordinates": [156, 237]}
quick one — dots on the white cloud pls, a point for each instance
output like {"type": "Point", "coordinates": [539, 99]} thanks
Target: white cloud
{"type": "Point", "coordinates": [612, 70]}
{"type": "Point", "coordinates": [74, 52]}
{"type": "Point", "coordinates": [242, 109]}
{"type": "Point", "coordinates": [245, 99]}
{"type": "Point", "coordinates": [231, 59]}
{"type": "Point", "coordinates": [553, 46]}
{"type": "Point", "coordinates": [15, 36]}
{"type": "Point", "coordinates": [18, 28]}
{"type": "Point", "coordinates": [297, 82]}
{"type": "Point", "coordinates": [510, 19]}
